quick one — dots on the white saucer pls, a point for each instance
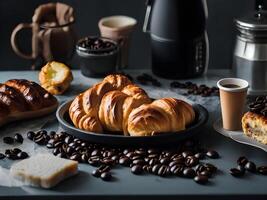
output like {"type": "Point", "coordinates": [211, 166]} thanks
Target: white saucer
{"type": "Point", "coordinates": [238, 136]}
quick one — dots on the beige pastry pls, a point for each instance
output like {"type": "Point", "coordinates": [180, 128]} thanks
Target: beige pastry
{"type": "Point", "coordinates": [22, 99]}
{"type": "Point", "coordinates": [55, 77]}
{"type": "Point", "coordinates": [255, 126]}
{"type": "Point", "coordinates": [117, 105]}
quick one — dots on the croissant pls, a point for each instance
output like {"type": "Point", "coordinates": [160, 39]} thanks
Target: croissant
{"type": "Point", "coordinates": [106, 105]}
{"type": "Point", "coordinates": [21, 99]}
{"type": "Point", "coordinates": [118, 105]}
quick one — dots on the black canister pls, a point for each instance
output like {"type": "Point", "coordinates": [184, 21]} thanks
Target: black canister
{"type": "Point", "coordinates": [179, 41]}
{"type": "Point", "coordinates": [98, 56]}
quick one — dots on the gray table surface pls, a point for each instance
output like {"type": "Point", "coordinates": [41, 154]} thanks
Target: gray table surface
{"type": "Point", "coordinates": [127, 185]}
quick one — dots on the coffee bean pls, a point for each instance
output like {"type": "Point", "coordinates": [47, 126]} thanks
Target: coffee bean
{"type": "Point", "coordinates": [106, 176]}
{"type": "Point", "coordinates": [18, 138]}
{"type": "Point", "coordinates": [177, 169]}
{"type": "Point", "coordinates": [200, 168]}
{"type": "Point", "coordinates": [30, 135]}
{"type": "Point", "coordinates": [191, 161]}
{"type": "Point", "coordinates": [136, 169]}
{"type": "Point", "coordinates": [11, 156]}
{"type": "Point", "coordinates": [96, 173]}
{"type": "Point", "coordinates": [210, 167]}
{"type": "Point", "coordinates": [107, 161]}
{"type": "Point", "coordinates": [205, 173]}
{"type": "Point", "coordinates": [187, 153]}
{"type": "Point", "coordinates": [125, 161]}
{"type": "Point", "coordinates": [262, 170]}
{"type": "Point", "coordinates": [153, 161]}
{"type": "Point", "coordinates": [94, 161]}
{"type": "Point", "coordinates": [96, 152]}
{"type": "Point", "coordinates": [84, 157]}
{"type": "Point", "coordinates": [49, 145]}
{"type": "Point", "coordinates": [153, 151]}
{"type": "Point", "coordinates": [139, 162]}
{"type": "Point", "coordinates": [8, 140]}
{"type": "Point", "coordinates": [76, 157]}
{"type": "Point", "coordinates": [201, 179]}
{"type": "Point", "coordinates": [16, 150]}
{"type": "Point", "coordinates": [164, 161]}
{"type": "Point", "coordinates": [236, 172]}
{"type": "Point", "coordinates": [241, 168]}
{"type": "Point", "coordinates": [147, 168]}
{"type": "Point", "coordinates": [22, 155]}
{"type": "Point", "coordinates": [155, 168]}
{"type": "Point", "coordinates": [2, 156]}
{"type": "Point", "coordinates": [189, 173]}
{"type": "Point", "coordinates": [242, 161]}
{"type": "Point", "coordinates": [163, 170]}
{"type": "Point", "coordinates": [212, 154]}
{"type": "Point", "coordinates": [251, 167]}
{"type": "Point", "coordinates": [200, 155]}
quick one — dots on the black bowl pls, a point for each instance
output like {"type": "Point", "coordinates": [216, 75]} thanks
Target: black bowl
{"type": "Point", "coordinates": [121, 140]}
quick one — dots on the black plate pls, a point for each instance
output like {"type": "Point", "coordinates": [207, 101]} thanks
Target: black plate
{"type": "Point", "coordinates": [107, 138]}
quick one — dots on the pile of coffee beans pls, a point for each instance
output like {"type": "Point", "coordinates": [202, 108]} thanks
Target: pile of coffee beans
{"type": "Point", "coordinates": [14, 154]}
{"type": "Point", "coordinates": [259, 106]}
{"type": "Point", "coordinates": [183, 161]}
{"type": "Point", "coordinates": [146, 79]}
{"type": "Point", "coordinates": [97, 45]}
{"type": "Point", "coordinates": [195, 89]}
{"type": "Point", "coordinates": [243, 165]}
{"type": "Point", "coordinates": [11, 140]}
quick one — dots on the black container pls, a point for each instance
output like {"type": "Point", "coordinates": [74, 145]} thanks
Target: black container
{"type": "Point", "coordinates": [179, 42]}
{"type": "Point", "coordinates": [97, 62]}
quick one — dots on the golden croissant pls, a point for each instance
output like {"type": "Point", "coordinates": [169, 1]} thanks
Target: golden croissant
{"type": "Point", "coordinates": [118, 105]}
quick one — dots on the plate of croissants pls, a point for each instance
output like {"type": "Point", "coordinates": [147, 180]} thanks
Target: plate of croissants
{"type": "Point", "coordinates": [116, 111]}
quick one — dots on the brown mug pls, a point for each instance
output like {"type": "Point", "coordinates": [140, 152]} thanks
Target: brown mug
{"type": "Point", "coordinates": [53, 36]}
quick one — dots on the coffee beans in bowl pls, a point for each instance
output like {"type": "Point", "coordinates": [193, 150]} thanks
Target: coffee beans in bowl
{"type": "Point", "coordinates": [97, 55]}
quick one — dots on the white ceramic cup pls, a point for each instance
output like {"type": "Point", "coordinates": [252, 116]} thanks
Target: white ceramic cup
{"type": "Point", "coordinates": [118, 28]}
{"type": "Point", "coordinates": [233, 101]}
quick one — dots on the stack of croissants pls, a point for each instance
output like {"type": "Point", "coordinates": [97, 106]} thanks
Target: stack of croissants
{"type": "Point", "coordinates": [117, 105]}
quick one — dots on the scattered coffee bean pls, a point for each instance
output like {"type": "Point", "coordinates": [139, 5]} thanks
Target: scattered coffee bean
{"type": "Point", "coordinates": [212, 154]}
{"type": "Point", "coordinates": [205, 173]}
{"type": "Point", "coordinates": [30, 135]}
{"type": "Point", "coordinates": [242, 161]}
{"type": "Point", "coordinates": [18, 138]}
{"type": "Point", "coordinates": [236, 172]}
{"type": "Point", "coordinates": [22, 155]}
{"type": "Point", "coordinates": [194, 89]}
{"type": "Point", "coordinates": [136, 169]}
{"type": "Point", "coordinates": [251, 167]}
{"type": "Point", "coordinates": [262, 170]}
{"type": "Point", "coordinates": [145, 79]}
{"type": "Point", "coordinates": [189, 173]}
{"type": "Point", "coordinates": [96, 173]}
{"type": "Point", "coordinates": [106, 176]}
{"type": "Point", "coordinates": [201, 179]}
{"type": "Point", "coordinates": [2, 156]}
{"type": "Point", "coordinates": [200, 155]}
{"type": "Point", "coordinates": [125, 161]}
{"type": "Point", "coordinates": [8, 140]}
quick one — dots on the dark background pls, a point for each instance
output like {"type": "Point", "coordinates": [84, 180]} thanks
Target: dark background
{"type": "Point", "coordinates": [220, 27]}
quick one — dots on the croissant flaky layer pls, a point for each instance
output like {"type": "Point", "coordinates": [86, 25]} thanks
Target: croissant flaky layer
{"type": "Point", "coordinates": [18, 96]}
{"type": "Point", "coordinates": [116, 104]}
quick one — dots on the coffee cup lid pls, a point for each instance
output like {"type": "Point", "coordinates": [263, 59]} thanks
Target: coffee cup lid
{"type": "Point", "coordinates": [243, 84]}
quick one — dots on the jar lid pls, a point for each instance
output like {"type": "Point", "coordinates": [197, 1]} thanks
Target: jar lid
{"type": "Point", "coordinates": [254, 21]}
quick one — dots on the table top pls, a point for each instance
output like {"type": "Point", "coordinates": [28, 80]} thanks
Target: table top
{"type": "Point", "coordinates": [127, 185]}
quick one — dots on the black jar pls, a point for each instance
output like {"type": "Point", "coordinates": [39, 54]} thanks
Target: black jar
{"type": "Point", "coordinates": [96, 58]}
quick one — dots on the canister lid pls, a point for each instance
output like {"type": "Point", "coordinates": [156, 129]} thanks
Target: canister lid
{"type": "Point", "coordinates": [253, 21]}
{"type": "Point", "coordinates": [253, 26]}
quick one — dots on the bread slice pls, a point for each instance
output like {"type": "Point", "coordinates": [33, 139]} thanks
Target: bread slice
{"type": "Point", "coordinates": [255, 126]}
{"type": "Point", "coordinates": [44, 170]}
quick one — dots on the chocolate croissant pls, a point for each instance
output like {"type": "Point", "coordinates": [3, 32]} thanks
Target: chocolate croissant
{"type": "Point", "coordinates": [21, 99]}
{"type": "Point", "coordinates": [116, 104]}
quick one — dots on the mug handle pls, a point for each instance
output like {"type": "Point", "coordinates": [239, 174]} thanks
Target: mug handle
{"type": "Point", "coordinates": [13, 41]}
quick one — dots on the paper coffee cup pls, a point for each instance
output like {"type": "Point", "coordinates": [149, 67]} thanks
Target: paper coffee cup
{"type": "Point", "coordinates": [233, 92]}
